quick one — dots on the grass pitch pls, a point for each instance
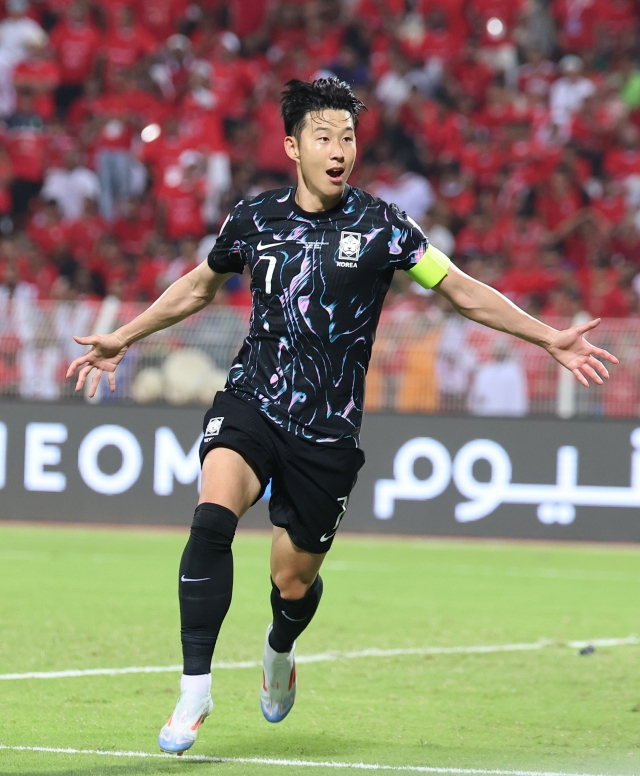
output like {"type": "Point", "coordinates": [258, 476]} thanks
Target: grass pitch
{"type": "Point", "coordinates": [81, 599]}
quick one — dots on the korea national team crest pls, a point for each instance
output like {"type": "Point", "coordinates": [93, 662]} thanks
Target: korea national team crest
{"type": "Point", "coordinates": [349, 249]}
{"type": "Point", "coordinates": [213, 428]}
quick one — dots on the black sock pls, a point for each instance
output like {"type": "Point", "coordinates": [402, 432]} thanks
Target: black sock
{"type": "Point", "coordinates": [290, 618]}
{"type": "Point", "coordinates": [206, 582]}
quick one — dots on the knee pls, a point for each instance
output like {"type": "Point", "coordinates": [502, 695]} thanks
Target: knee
{"type": "Point", "coordinates": [292, 586]}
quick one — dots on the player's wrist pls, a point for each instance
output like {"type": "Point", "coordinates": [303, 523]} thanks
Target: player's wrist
{"type": "Point", "coordinates": [548, 336]}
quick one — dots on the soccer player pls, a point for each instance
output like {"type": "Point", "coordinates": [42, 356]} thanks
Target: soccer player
{"type": "Point", "coordinates": [321, 255]}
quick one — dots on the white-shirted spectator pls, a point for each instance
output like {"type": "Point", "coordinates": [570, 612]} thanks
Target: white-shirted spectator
{"type": "Point", "coordinates": [70, 186]}
{"type": "Point", "coordinates": [410, 191]}
{"type": "Point", "coordinates": [500, 387]}
{"type": "Point", "coordinates": [567, 94]}
{"type": "Point", "coordinates": [17, 31]}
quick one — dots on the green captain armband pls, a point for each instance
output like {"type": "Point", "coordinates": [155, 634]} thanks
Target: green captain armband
{"type": "Point", "coordinates": [431, 268]}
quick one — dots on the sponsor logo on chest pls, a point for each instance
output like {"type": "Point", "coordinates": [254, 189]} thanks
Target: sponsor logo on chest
{"type": "Point", "coordinates": [349, 252]}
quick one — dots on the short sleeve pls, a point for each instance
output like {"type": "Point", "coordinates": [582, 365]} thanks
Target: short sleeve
{"type": "Point", "coordinates": [408, 243]}
{"type": "Point", "coordinates": [229, 254]}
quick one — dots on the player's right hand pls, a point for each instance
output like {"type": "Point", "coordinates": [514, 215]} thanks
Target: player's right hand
{"type": "Point", "coordinates": [106, 352]}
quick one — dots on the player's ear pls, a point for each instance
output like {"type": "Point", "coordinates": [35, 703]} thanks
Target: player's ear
{"type": "Point", "coordinates": [291, 147]}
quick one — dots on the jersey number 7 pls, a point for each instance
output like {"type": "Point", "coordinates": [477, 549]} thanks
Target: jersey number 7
{"type": "Point", "coordinates": [270, 270]}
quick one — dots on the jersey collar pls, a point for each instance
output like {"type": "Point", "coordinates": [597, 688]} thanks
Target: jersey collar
{"type": "Point", "coordinates": [320, 215]}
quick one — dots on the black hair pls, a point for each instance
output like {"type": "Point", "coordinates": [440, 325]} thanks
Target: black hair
{"type": "Point", "coordinates": [301, 97]}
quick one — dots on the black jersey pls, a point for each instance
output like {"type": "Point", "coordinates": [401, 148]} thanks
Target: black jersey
{"type": "Point", "coordinates": [318, 281]}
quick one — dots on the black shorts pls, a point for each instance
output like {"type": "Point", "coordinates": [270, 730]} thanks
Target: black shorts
{"type": "Point", "coordinates": [310, 481]}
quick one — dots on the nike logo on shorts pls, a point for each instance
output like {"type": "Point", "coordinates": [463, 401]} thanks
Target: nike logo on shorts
{"type": "Point", "coordinates": [186, 579]}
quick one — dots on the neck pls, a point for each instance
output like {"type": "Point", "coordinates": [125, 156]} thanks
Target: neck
{"type": "Point", "coordinates": [313, 201]}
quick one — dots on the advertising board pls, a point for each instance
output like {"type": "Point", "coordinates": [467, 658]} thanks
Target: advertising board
{"type": "Point", "coordinates": [425, 474]}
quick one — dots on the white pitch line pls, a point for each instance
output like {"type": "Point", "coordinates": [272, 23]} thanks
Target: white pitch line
{"type": "Point", "coordinates": [299, 763]}
{"type": "Point", "coordinates": [324, 657]}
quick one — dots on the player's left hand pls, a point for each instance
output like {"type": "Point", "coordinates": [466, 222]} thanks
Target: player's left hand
{"type": "Point", "coordinates": [573, 351]}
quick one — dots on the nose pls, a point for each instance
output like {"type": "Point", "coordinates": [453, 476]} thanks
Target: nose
{"type": "Point", "coordinates": [337, 152]}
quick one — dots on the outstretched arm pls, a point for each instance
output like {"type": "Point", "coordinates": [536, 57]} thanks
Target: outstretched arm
{"type": "Point", "coordinates": [483, 304]}
{"type": "Point", "coordinates": [185, 297]}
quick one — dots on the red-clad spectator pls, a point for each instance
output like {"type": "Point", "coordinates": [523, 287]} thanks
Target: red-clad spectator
{"type": "Point", "coordinates": [150, 271]}
{"type": "Point", "coordinates": [378, 13]}
{"type": "Point", "coordinates": [580, 169]}
{"type": "Point", "coordinates": [161, 17]}
{"type": "Point", "coordinates": [611, 206]}
{"type": "Point", "coordinates": [38, 75]}
{"type": "Point", "coordinates": [620, 302]}
{"type": "Point", "coordinates": [438, 40]}
{"type": "Point", "coordinates": [596, 280]}
{"type": "Point", "coordinates": [134, 229]}
{"type": "Point", "coordinates": [591, 128]}
{"type": "Point", "coordinates": [232, 78]}
{"type": "Point", "coordinates": [26, 143]}
{"type": "Point", "coordinates": [322, 40]}
{"type": "Point", "coordinates": [539, 280]}
{"type": "Point", "coordinates": [472, 77]}
{"type": "Point", "coordinates": [247, 17]}
{"type": "Point", "coordinates": [47, 230]}
{"type": "Point", "coordinates": [537, 74]}
{"type": "Point", "coordinates": [443, 132]}
{"type": "Point", "coordinates": [126, 44]}
{"type": "Point", "coordinates": [455, 192]}
{"type": "Point", "coordinates": [163, 151]}
{"type": "Point", "coordinates": [286, 26]}
{"type": "Point", "coordinates": [83, 234]}
{"type": "Point", "coordinates": [5, 183]}
{"type": "Point", "coordinates": [180, 201]}
{"type": "Point", "coordinates": [35, 269]}
{"type": "Point", "coordinates": [522, 238]}
{"type": "Point", "coordinates": [536, 160]}
{"type": "Point", "coordinates": [108, 263]}
{"type": "Point", "coordinates": [564, 302]}
{"type": "Point", "coordinates": [577, 24]}
{"type": "Point", "coordinates": [625, 242]}
{"type": "Point", "coordinates": [500, 111]}
{"type": "Point", "coordinates": [75, 41]}
{"type": "Point", "coordinates": [200, 113]}
{"type": "Point", "coordinates": [560, 203]}
{"type": "Point", "coordinates": [83, 110]}
{"type": "Point", "coordinates": [114, 125]}
{"type": "Point", "coordinates": [478, 237]}
{"type": "Point", "coordinates": [182, 264]}
{"type": "Point", "coordinates": [621, 162]}
{"type": "Point", "coordinates": [618, 21]}
{"type": "Point", "coordinates": [270, 154]}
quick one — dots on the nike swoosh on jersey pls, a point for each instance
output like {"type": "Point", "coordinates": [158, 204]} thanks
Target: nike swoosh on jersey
{"type": "Point", "coordinates": [186, 579]}
{"type": "Point", "coordinates": [261, 247]}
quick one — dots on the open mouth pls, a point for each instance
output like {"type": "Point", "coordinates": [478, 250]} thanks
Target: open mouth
{"type": "Point", "coordinates": [336, 173]}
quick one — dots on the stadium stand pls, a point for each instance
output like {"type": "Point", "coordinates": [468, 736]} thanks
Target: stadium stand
{"type": "Point", "coordinates": [510, 129]}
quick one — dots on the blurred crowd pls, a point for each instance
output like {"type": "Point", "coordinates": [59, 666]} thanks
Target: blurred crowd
{"type": "Point", "coordinates": [509, 129]}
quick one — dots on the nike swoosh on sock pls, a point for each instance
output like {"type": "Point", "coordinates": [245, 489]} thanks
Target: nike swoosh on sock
{"type": "Point", "coordinates": [293, 619]}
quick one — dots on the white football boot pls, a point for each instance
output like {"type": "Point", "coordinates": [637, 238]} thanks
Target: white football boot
{"type": "Point", "coordinates": [278, 691]}
{"type": "Point", "coordinates": [181, 729]}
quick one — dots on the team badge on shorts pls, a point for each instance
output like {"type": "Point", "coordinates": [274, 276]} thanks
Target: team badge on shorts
{"type": "Point", "coordinates": [213, 428]}
{"type": "Point", "coordinates": [349, 249]}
